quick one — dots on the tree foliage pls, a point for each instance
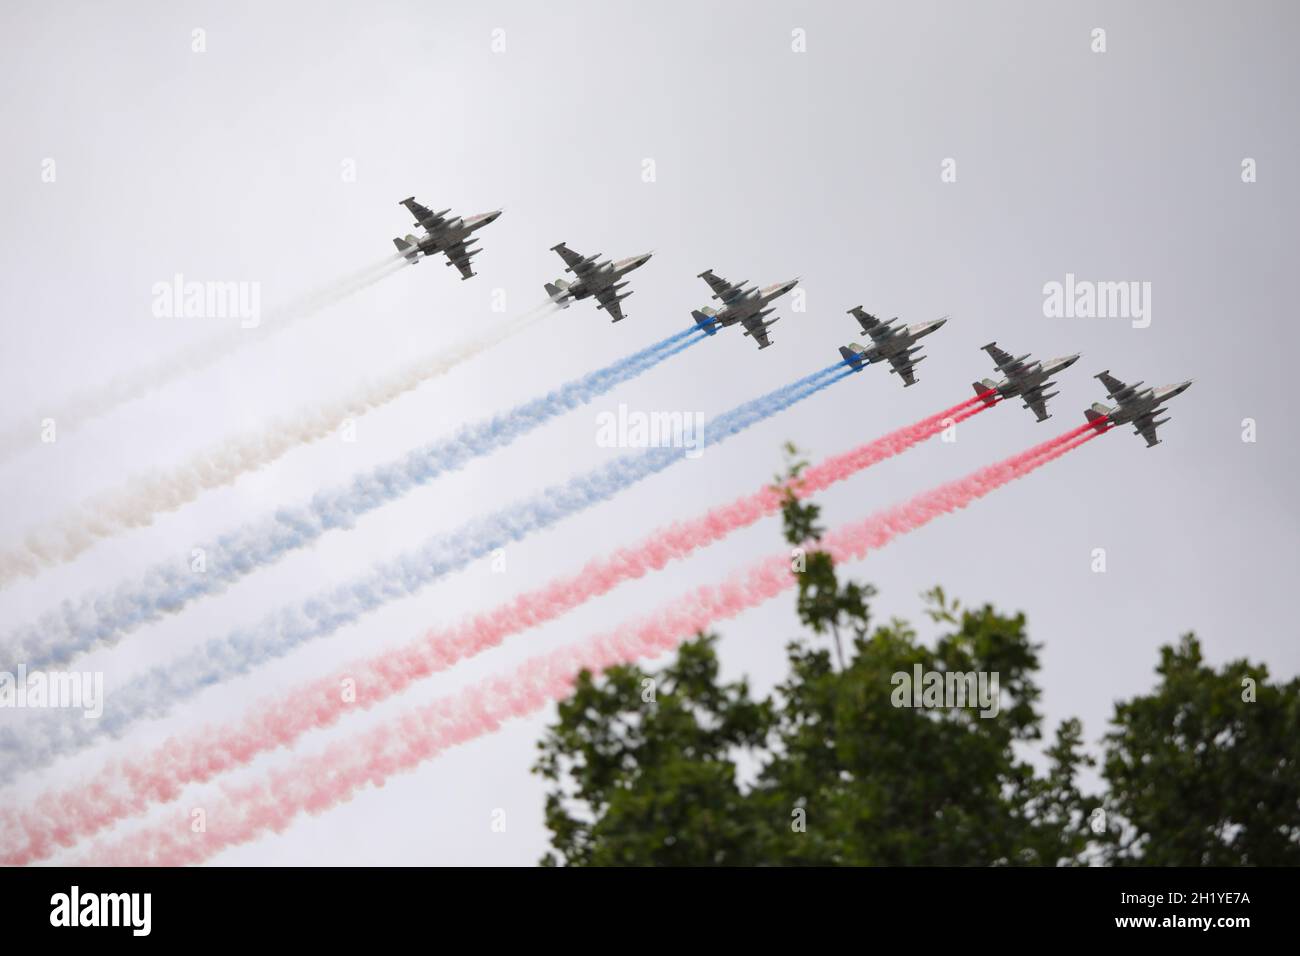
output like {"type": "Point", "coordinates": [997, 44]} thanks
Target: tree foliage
{"type": "Point", "coordinates": [676, 767]}
{"type": "Point", "coordinates": [1205, 770]}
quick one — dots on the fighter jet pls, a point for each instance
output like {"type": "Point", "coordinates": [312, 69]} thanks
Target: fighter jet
{"type": "Point", "coordinates": [592, 278]}
{"type": "Point", "coordinates": [443, 235]}
{"type": "Point", "coordinates": [1133, 406]}
{"type": "Point", "coordinates": [894, 343]}
{"type": "Point", "coordinates": [1024, 377]}
{"type": "Point", "coordinates": [742, 305]}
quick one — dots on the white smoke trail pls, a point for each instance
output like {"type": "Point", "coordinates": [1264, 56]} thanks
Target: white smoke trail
{"type": "Point", "coordinates": [144, 498]}
{"type": "Point", "coordinates": [99, 400]}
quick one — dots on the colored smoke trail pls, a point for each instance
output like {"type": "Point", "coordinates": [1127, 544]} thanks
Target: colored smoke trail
{"type": "Point", "coordinates": [125, 790]}
{"type": "Point", "coordinates": [104, 619]}
{"type": "Point", "coordinates": [144, 498]}
{"type": "Point", "coordinates": [158, 690]}
{"type": "Point", "coordinates": [321, 781]}
{"type": "Point", "coordinates": [100, 400]}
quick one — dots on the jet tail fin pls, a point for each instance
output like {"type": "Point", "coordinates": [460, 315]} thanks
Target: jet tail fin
{"type": "Point", "coordinates": [852, 358]}
{"type": "Point", "coordinates": [557, 291]}
{"type": "Point", "coordinates": [407, 249]}
{"type": "Point", "coordinates": [707, 322]}
{"type": "Point", "coordinates": [1098, 414]}
{"type": "Point", "coordinates": [986, 389]}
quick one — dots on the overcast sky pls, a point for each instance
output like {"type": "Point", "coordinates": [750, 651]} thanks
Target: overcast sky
{"type": "Point", "coordinates": [785, 140]}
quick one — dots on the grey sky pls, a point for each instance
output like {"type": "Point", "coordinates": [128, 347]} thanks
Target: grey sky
{"type": "Point", "coordinates": [769, 163]}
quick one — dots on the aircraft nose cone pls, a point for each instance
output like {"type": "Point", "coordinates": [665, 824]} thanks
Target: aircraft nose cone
{"type": "Point", "coordinates": [1183, 387]}
{"type": "Point", "coordinates": [1071, 359]}
{"type": "Point", "coordinates": [940, 323]}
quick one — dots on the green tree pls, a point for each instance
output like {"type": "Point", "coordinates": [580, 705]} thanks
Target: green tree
{"type": "Point", "coordinates": [644, 767]}
{"type": "Point", "coordinates": [1205, 770]}
{"type": "Point", "coordinates": [675, 768]}
{"type": "Point", "coordinates": [823, 605]}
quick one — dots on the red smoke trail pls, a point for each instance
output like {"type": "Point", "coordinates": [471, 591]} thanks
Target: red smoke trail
{"type": "Point", "coordinates": [316, 783]}
{"type": "Point", "coordinates": [124, 789]}
{"type": "Point", "coordinates": [852, 542]}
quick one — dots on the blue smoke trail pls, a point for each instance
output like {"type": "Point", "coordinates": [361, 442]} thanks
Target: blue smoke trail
{"type": "Point", "coordinates": [157, 691]}
{"type": "Point", "coordinates": [78, 626]}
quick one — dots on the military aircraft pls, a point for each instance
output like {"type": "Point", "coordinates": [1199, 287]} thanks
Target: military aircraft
{"type": "Point", "coordinates": [1024, 377]}
{"type": "Point", "coordinates": [1133, 406]}
{"type": "Point", "coordinates": [742, 305]}
{"type": "Point", "coordinates": [447, 236]}
{"type": "Point", "coordinates": [592, 278]}
{"type": "Point", "coordinates": [893, 343]}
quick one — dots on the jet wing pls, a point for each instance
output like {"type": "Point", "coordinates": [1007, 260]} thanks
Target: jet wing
{"type": "Point", "coordinates": [903, 365]}
{"type": "Point", "coordinates": [757, 330]}
{"type": "Point", "coordinates": [577, 263]}
{"type": "Point", "coordinates": [1146, 427]}
{"type": "Point", "coordinates": [722, 289]}
{"type": "Point", "coordinates": [459, 256]}
{"type": "Point", "coordinates": [608, 300]}
{"type": "Point", "coordinates": [1113, 385]}
{"type": "Point", "coordinates": [1037, 404]}
{"type": "Point", "coordinates": [1002, 359]}
{"type": "Point", "coordinates": [423, 215]}
{"type": "Point", "coordinates": [871, 325]}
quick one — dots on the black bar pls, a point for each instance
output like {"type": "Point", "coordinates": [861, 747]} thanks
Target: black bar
{"type": "Point", "coordinates": [212, 905]}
